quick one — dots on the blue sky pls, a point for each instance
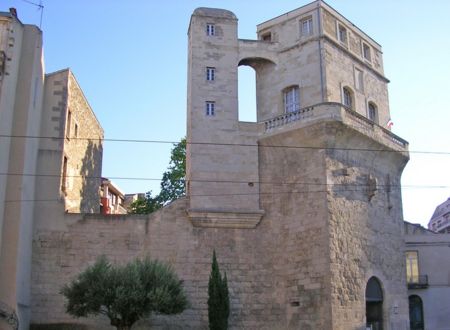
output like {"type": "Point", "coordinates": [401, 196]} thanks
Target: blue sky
{"type": "Point", "coordinates": [130, 59]}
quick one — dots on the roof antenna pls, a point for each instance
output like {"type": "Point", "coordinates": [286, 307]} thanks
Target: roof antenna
{"type": "Point", "coordinates": [39, 6]}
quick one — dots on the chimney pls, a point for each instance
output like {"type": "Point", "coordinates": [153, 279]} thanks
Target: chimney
{"type": "Point", "coordinates": [13, 12]}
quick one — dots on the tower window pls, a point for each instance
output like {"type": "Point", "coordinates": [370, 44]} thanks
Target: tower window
{"type": "Point", "coordinates": [267, 37]}
{"type": "Point", "coordinates": [359, 82]}
{"type": "Point", "coordinates": [210, 108]}
{"type": "Point", "coordinates": [306, 26]}
{"type": "Point", "coordinates": [64, 176]}
{"type": "Point", "coordinates": [347, 97]}
{"type": "Point", "coordinates": [76, 130]}
{"type": "Point", "coordinates": [210, 73]}
{"type": "Point", "coordinates": [412, 267]}
{"type": "Point", "coordinates": [372, 112]}
{"type": "Point", "coordinates": [210, 29]}
{"type": "Point", "coordinates": [68, 124]}
{"type": "Point", "coordinates": [366, 52]}
{"type": "Point", "coordinates": [342, 34]}
{"type": "Point", "coordinates": [291, 99]}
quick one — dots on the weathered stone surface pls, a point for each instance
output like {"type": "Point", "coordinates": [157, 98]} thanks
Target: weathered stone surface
{"type": "Point", "coordinates": [324, 178]}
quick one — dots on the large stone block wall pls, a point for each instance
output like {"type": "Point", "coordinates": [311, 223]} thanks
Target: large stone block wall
{"type": "Point", "coordinates": [79, 141]}
{"type": "Point", "coordinates": [293, 194]}
{"type": "Point", "coordinates": [365, 228]}
{"type": "Point", "coordinates": [61, 251]}
{"type": "Point", "coordinates": [278, 273]}
{"type": "Point", "coordinates": [84, 150]}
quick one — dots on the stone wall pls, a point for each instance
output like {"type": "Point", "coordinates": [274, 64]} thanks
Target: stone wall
{"type": "Point", "coordinates": [76, 138]}
{"type": "Point", "coordinates": [83, 148]}
{"type": "Point", "coordinates": [278, 273]}
{"type": "Point", "coordinates": [61, 251]}
{"type": "Point", "coordinates": [366, 226]}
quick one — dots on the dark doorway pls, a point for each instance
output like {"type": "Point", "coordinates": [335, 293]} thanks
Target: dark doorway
{"type": "Point", "coordinates": [374, 305]}
{"type": "Point", "coordinates": [416, 313]}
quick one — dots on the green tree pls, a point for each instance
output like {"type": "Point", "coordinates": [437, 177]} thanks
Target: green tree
{"type": "Point", "coordinates": [172, 184]}
{"type": "Point", "coordinates": [218, 298]}
{"type": "Point", "coordinates": [125, 294]}
{"type": "Point", "coordinates": [173, 181]}
{"type": "Point", "coordinates": [145, 205]}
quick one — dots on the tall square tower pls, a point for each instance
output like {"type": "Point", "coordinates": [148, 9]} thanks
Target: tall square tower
{"type": "Point", "coordinates": [319, 171]}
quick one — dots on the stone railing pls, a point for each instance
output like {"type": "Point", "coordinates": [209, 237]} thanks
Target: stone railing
{"type": "Point", "coordinates": [288, 118]}
{"type": "Point", "coordinates": [367, 125]}
{"type": "Point", "coordinates": [336, 111]}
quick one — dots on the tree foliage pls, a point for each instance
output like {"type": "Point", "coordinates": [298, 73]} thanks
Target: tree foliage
{"type": "Point", "coordinates": [145, 205]}
{"type": "Point", "coordinates": [218, 298]}
{"type": "Point", "coordinates": [126, 293]}
{"type": "Point", "coordinates": [172, 184]}
{"type": "Point", "coordinates": [173, 181]}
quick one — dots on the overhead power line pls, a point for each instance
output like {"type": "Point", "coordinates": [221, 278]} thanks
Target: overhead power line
{"type": "Point", "coordinates": [274, 193]}
{"type": "Point", "coordinates": [222, 144]}
{"type": "Point", "coordinates": [87, 177]}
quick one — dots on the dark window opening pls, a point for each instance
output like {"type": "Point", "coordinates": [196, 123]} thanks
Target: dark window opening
{"type": "Point", "coordinates": [374, 305]}
{"type": "Point", "coordinates": [416, 319]}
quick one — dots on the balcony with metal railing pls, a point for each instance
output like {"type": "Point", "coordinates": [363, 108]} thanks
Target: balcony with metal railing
{"type": "Point", "coordinates": [417, 282]}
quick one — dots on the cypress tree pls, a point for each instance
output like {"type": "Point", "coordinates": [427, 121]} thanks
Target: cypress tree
{"type": "Point", "coordinates": [226, 301]}
{"type": "Point", "coordinates": [218, 298]}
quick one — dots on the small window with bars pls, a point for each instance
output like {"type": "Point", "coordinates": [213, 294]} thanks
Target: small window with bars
{"type": "Point", "coordinates": [210, 29]}
{"type": "Point", "coordinates": [210, 108]}
{"type": "Point", "coordinates": [210, 73]}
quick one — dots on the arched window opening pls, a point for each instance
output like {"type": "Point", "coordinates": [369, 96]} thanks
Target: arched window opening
{"type": "Point", "coordinates": [416, 319]}
{"type": "Point", "coordinates": [347, 98]}
{"type": "Point", "coordinates": [291, 96]}
{"type": "Point", "coordinates": [374, 304]}
{"type": "Point", "coordinates": [247, 93]}
{"type": "Point", "coordinates": [372, 112]}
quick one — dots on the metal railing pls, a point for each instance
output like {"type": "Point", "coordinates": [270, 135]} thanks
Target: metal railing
{"type": "Point", "coordinates": [417, 282]}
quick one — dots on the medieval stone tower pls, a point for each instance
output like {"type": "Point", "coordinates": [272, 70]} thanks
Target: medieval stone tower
{"type": "Point", "coordinates": [317, 176]}
{"type": "Point", "coordinates": [303, 206]}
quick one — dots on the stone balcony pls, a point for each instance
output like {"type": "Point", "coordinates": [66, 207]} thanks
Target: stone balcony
{"type": "Point", "coordinates": [332, 111]}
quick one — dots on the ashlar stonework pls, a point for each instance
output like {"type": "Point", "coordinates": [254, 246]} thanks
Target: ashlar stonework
{"type": "Point", "coordinates": [303, 207]}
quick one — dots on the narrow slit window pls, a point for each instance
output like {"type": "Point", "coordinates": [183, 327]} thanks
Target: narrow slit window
{"type": "Point", "coordinates": [366, 52]}
{"type": "Point", "coordinates": [68, 124]}
{"type": "Point", "coordinates": [359, 81]}
{"type": "Point", "coordinates": [64, 176]}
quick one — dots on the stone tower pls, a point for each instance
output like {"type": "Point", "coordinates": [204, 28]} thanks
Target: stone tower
{"type": "Point", "coordinates": [318, 173]}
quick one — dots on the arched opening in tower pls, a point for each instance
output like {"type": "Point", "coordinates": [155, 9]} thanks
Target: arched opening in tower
{"type": "Point", "coordinates": [247, 94]}
{"type": "Point", "coordinates": [249, 100]}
